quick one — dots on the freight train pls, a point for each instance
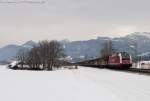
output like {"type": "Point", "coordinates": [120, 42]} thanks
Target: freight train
{"type": "Point", "coordinates": [121, 60]}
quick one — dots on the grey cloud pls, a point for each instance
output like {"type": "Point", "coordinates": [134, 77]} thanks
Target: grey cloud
{"type": "Point", "coordinates": [73, 18]}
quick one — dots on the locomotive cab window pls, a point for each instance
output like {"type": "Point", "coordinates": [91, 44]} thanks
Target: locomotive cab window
{"type": "Point", "coordinates": [125, 55]}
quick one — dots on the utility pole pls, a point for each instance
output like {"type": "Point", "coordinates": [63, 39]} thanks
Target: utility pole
{"type": "Point", "coordinates": [136, 52]}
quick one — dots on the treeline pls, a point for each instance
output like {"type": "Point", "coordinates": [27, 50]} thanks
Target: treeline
{"type": "Point", "coordinates": [46, 55]}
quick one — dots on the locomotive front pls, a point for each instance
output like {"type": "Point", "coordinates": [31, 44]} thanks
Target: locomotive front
{"type": "Point", "coordinates": [121, 60]}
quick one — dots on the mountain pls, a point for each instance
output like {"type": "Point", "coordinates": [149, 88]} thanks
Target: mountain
{"type": "Point", "coordinates": [142, 40]}
{"type": "Point", "coordinates": [30, 44]}
{"type": "Point", "coordinates": [9, 52]}
{"type": "Point", "coordinates": [88, 49]}
{"type": "Point", "coordinates": [138, 42]}
{"type": "Point", "coordinates": [133, 43]}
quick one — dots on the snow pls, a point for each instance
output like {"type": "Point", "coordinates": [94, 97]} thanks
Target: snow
{"type": "Point", "coordinates": [142, 65]}
{"type": "Point", "coordinates": [132, 46]}
{"type": "Point", "coordinates": [146, 34]}
{"type": "Point", "coordinates": [145, 54]}
{"type": "Point", "coordinates": [14, 63]}
{"type": "Point", "coordinates": [83, 84]}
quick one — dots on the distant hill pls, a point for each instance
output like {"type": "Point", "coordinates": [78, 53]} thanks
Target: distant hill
{"type": "Point", "coordinates": [9, 52]}
{"type": "Point", "coordinates": [89, 48]}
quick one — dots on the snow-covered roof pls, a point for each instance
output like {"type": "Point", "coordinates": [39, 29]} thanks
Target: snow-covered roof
{"type": "Point", "coordinates": [14, 63]}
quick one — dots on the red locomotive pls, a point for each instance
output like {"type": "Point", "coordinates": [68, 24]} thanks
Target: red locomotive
{"type": "Point", "coordinates": [120, 60]}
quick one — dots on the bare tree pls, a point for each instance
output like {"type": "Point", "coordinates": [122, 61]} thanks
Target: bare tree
{"type": "Point", "coordinates": [33, 58]}
{"type": "Point", "coordinates": [107, 49]}
{"type": "Point", "coordinates": [55, 52]}
{"type": "Point", "coordinates": [44, 53]}
{"type": "Point", "coordinates": [21, 57]}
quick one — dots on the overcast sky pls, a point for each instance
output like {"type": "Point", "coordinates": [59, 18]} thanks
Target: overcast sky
{"type": "Point", "coordinates": [71, 19]}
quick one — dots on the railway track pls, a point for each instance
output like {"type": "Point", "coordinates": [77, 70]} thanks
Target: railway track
{"type": "Point", "coordinates": [135, 70]}
{"type": "Point", "coordinates": [131, 70]}
{"type": "Point", "coordinates": [141, 71]}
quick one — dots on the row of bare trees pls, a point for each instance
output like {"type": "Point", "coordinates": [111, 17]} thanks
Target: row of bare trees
{"type": "Point", "coordinates": [45, 55]}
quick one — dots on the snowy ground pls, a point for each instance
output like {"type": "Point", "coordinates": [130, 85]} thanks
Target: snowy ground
{"type": "Point", "coordinates": [84, 84]}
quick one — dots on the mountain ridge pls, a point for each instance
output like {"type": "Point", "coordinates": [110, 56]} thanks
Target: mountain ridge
{"type": "Point", "coordinates": [88, 48]}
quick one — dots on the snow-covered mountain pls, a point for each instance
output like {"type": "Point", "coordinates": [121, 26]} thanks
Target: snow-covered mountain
{"type": "Point", "coordinates": [141, 39]}
{"type": "Point", "coordinates": [30, 44]}
{"type": "Point", "coordinates": [89, 48]}
{"type": "Point", "coordinates": [139, 35]}
{"type": "Point", "coordinates": [9, 52]}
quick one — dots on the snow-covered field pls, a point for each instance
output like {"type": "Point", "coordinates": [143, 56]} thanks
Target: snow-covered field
{"type": "Point", "coordinates": [83, 84]}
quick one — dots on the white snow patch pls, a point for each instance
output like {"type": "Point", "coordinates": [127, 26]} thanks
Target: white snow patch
{"type": "Point", "coordinates": [145, 54]}
{"type": "Point", "coordinates": [83, 84]}
{"type": "Point", "coordinates": [132, 46]}
{"type": "Point", "coordinates": [14, 63]}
